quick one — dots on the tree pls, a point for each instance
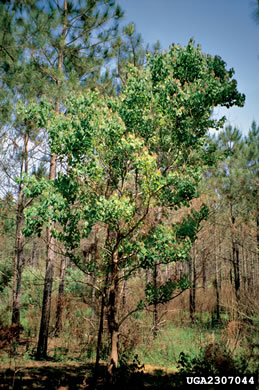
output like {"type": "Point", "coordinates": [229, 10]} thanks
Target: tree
{"type": "Point", "coordinates": [20, 142]}
{"type": "Point", "coordinates": [230, 141]}
{"type": "Point", "coordinates": [20, 147]}
{"type": "Point", "coordinates": [125, 159]}
{"type": "Point", "coordinates": [234, 202]}
{"type": "Point", "coordinates": [66, 46]}
{"type": "Point", "coordinates": [24, 153]}
{"type": "Point", "coordinates": [128, 49]}
{"type": "Point", "coordinates": [251, 159]}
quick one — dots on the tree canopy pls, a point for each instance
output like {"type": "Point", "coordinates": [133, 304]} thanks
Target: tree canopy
{"type": "Point", "coordinates": [126, 159]}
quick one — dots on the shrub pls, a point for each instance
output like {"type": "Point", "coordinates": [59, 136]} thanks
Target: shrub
{"type": "Point", "coordinates": [214, 359]}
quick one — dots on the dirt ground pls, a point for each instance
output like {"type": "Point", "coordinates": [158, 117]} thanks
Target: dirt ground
{"type": "Point", "coordinates": [70, 376]}
{"type": "Point", "coordinates": [45, 375]}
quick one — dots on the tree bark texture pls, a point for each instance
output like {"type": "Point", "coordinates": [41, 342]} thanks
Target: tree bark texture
{"type": "Point", "coordinates": [236, 266]}
{"type": "Point", "coordinates": [60, 302]}
{"type": "Point", "coordinates": [46, 303]}
{"type": "Point", "coordinates": [155, 309]}
{"type": "Point", "coordinates": [192, 292]}
{"type": "Point", "coordinates": [99, 338]}
{"type": "Point", "coordinates": [19, 243]}
{"type": "Point", "coordinates": [18, 266]}
{"type": "Point", "coordinates": [112, 315]}
{"type": "Point", "coordinates": [216, 273]}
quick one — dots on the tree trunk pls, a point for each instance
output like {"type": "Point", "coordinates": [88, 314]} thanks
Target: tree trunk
{"type": "Point", "coordinates": [216, 273]}
{"type": "Point", "coordinates": [34, 261]}
{"type": "Point", "coordinates": [93, 299]}
{"type": "Point", "coordinates": [204, 276]}
{"type": "Point", "coordinates": [18, 265]}
{"type": "Point", "coordinates": [19, 243]}
{"type": "Point", "coordinates": [192, 292]}
{"type": "Point", "coordinates": [99, 338]}
{"type": "Point", "coordinates": [60, 302]}
{"type": "Point", "coordinates": [235, 257]}
{"type": "Point", "coordinates": [236, 271]}
{"type": "Point", "coordinates": [48, 282]}
{"type": "Point", "coordinates": [46, 303]}
{"type": "Point", "coordinates": [155, 310]}
{"type": "Point", "coordinates": [252, 279]}
{"type": "Point", "coordinates": [244, 267]}
{"type": "Point", "coordinates": [51, 256]}
{"type": "Point", "coordinates": [93, 294]}
{"type": "Point", "coordinates": [112, 315]}
{"type": "Point", "coordinates": [217, 289]}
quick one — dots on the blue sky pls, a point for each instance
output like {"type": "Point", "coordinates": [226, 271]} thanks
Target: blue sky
{"type": "Point", "coordinates": [222, 27]}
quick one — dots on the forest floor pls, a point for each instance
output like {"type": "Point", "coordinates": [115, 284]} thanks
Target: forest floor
{"type": "Point", "coordinates": [68, 370]}
{"type": "Point", "coordinates": [70, 375]}
{"type": "Point", "coordinates": [50, 375]}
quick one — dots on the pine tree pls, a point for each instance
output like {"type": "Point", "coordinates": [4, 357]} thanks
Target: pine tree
{"type": "Point", "coordinates": [62, 47]}
{"type": "Point", "coordinates": [235, 203]}
{"type": "Point", "coordinates": [251, 160]}
{"type": "Point", "coordinates": [230, 178]}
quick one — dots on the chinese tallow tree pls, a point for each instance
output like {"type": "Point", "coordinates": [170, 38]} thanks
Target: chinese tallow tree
{"type": "Point", "coordinates": [127, 158]}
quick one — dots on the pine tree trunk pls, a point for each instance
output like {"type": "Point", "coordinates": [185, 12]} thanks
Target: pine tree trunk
{"type": "Point", "coordinates": [220, 266]}
{"type": "Point", "coordinates": [48, 282]}
{"type": "Point", "coordinates": [235, 257]}
{"type": "Point", "coordinates": [204, 276]}
{"type": "Point", "coordinates": [18, 265]}
{"type": "Point", "coordinates": [60, 302]}
{"type": "Point", "coordinates": [244, 270]}
{"type": "Point", "coordinates": [253, 278]}
{"type": "Point", "coordinates": [155, 309]}
{"type": "Point", "coordinates": [46, 303]}
{"type": "Point", "coordinates": [192, 292]}
{"type": "Point", "coordinates": [247, 269]}
{"type": "Point", "coordinates": [217, 289]}
{"type": "Point", "coordinates": [19, 242]}
{"type": "Point", "coordinates": [51, 256]}
{"type": "Point", "coordinates": [236, 271]}
{"type": "Point", "coordinates": [216, 273]}
{"type": "Point", "coordinates": [34, 262]}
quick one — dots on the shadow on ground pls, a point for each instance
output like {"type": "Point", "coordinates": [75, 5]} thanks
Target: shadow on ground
{"type": "Point", "coordinates": [69, 377]}
{"type": "Point", "coordinates": [61, 376]}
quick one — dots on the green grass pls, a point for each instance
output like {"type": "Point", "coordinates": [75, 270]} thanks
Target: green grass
{"type": "Point", "coordinates": [165, 349]}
